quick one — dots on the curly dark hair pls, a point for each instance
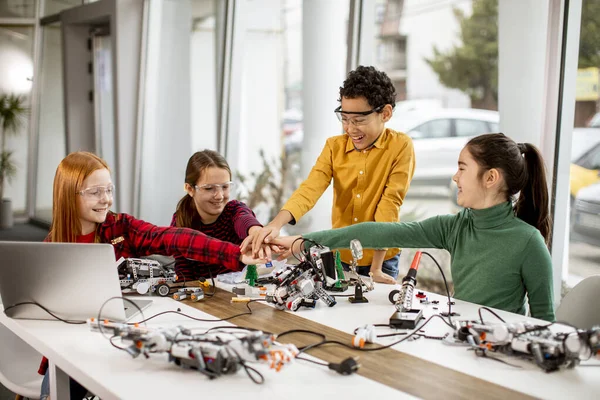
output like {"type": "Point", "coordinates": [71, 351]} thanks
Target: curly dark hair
{"type": "Point", "coordinates": [373, 85]}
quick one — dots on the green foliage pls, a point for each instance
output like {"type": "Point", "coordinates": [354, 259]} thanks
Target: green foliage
{"type": "Point", "coordinates": [589, 45]}
{"type": "Point", "coordinates": [472, 66]}
{"type": "Point", "coordinates": [12, 119]}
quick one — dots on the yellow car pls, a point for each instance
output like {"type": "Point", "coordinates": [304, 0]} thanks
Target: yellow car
{"type": "Point", "coordinates": [585, 171]}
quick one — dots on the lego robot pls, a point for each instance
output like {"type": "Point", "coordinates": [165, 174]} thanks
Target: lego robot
{"type": "Point", "coordinates": [550, 351]}
{"type": "Point", "coordinates": [302, 285]}
{"type": "Point", "coordinates": [146, 276]}
{"type": "Point", "coordinates": [216, 353]}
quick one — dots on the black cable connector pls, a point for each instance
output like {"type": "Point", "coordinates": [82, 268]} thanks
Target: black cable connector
{"type": "Point", "coordinates": [346, 367]}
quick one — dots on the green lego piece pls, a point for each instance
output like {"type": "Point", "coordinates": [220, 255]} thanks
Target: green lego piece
{"type": "Point", "coordinates": [339, 268]}
{"type": "Point", "coordinates": [251, 275]}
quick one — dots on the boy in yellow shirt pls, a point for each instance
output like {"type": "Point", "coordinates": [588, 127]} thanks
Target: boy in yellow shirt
{"type": "Point", "coordinates": [371, 167]}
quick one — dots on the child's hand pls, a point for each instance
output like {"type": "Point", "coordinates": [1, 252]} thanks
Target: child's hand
{"type": "Point", "coordinates": [286, 243]}
{"type": "Point", "coordinates": [256, 237]}
{"type": "Point", "coordinates": [249, 259]}
{"type": "Point", "coordinates": [381, 277]}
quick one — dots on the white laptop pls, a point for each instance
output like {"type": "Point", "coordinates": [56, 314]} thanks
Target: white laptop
{"type": "Point", "coordinates": [72, 280]}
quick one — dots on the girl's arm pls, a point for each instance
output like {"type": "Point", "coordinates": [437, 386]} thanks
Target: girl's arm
{"type": "Point", "coordinates": [243, 219]}
{"type": "Point", "coordinates": [150, 239]}
{"type": "Point", "coordinates": [536, 271]}
{"type": "Point", "coordinates": [431, 233]}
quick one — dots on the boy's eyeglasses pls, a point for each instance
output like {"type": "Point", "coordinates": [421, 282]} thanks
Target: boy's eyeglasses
{"type": "Point", "coordinates": [97, 192]}
{"type": "Point", "coordinates": [212, 188]}
{"type": "Point", "coordinates": [362, 117]}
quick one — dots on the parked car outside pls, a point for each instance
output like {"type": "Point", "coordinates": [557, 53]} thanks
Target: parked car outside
{"type": "Point", "coordinates": [586, 215]}
{"type": "Point", "coordinates": [585, 169]}
{"type": "Point", "coordinates": [438, 137]}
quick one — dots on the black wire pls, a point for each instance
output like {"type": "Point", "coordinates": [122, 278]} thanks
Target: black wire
{"type": "Point", "coordinates": [199, 319]}
{"type": "Point", "coordinates": [322, 336]}
{"type": "Point", "coordinates": [114, 345]}
{"type": "Point", "coordinates": [490, 311]}
{"type": "Point", "coordinates": [413, 333]}
{"type": "Point", "coordinates": [445, 284]}
{"type": "Point", "coordinates": [212, 279]}
{"type": "Point", "coordinates": [66, 321]}
{"type": "Point", "coordinates": [104, 304]}
{"type": "Point", "coordinates": [312, 361]}
{"type": "Point", "coordinates": [484, 354]}
{"type": "Point", "coordinates": [234, 327]}
{"type": "Point", "coordinates": [248, 369]}
{"type": "Point", "coordinates": [301, 248]}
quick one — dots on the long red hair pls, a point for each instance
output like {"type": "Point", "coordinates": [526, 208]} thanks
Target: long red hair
{"type": "Point", "coordinates": [69, 177]}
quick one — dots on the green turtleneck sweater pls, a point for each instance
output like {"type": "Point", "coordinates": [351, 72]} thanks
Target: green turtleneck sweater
{"type": "Point", "coordinates": [497, 258]}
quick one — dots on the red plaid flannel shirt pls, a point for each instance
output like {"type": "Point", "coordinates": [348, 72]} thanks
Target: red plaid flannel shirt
{"type": "Point", "coordinates": [231, 226]}
{"type": "Point", "coordinates": [132, 237]}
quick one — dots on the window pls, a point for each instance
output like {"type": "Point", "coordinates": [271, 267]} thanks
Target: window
{"type": "Point", "coordinates": [438, 128]}
{"type": "Point", "coordinates": [591, 160]}
{"type": "Point", "coordinates": [470, 127]}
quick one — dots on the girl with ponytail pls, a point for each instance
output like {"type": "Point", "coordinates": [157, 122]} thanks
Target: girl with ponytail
{"type": "Point", "coordinates": [206, 208]}
{"type": "Point", "coordinates": [498, 242]}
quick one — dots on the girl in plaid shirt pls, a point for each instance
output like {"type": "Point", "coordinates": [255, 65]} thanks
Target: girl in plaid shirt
{"type": "Point", "coordinates": [206, 208]}
{"type": "Point", "coordinates": [83, 195]}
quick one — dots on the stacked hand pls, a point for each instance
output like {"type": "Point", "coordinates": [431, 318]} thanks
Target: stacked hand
{"type": "Point", "coordinates": [256, 245]}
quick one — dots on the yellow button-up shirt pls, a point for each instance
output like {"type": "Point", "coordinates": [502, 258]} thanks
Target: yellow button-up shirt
{"type": "Point", "coordinates": [368, 185]}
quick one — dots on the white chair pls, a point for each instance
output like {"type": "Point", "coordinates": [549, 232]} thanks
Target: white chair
{"type": "Point", "coordinates": [580, 306]}
{"type": "Point", "coordinates": [19, 364]}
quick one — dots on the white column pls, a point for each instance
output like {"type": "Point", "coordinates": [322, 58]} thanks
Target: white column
{"type": "Point", "coordinates": [522, 33]}
{"type": "Point", "coordinates": [529, 41]}
{"type": "Point", "coordinates": [323, 69]}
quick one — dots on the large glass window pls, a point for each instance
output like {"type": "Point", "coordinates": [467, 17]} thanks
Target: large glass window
{"type": "Point", "coordinates": [584, 246]}
{"type": "Point", "coordinates": [17, 8]}
{"type": "Point", "coordinates": [51, 139]}
{"type": "Point", "coordinates": [443, 60]}
{"type": "Point", "coordinates": [56, 6]}
{"type": "Point", "coordinates": [16, 77]}
{"type": "Point", "coordinates": [471, 127]}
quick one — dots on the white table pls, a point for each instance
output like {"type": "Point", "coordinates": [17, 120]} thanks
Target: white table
{"type": "Point", "coordinates": [584, 382]}
{"type": "Point", "coordinates": [88, 357]}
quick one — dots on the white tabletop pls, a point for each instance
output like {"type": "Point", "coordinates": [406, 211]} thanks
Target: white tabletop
{"type": "Point", "coordinates": [110, 373]}
{"type": "Point", "coordinates": [530, 379]}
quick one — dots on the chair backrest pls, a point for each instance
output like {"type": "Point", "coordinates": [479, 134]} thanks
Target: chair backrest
{"type": "Point", "coordinates": [580, 307]}
{"type": "Point", "coordinates": [19, 363]}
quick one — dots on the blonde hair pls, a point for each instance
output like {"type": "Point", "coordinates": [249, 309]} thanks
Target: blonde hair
{"type": "Point", "coordinates": [69, 177]}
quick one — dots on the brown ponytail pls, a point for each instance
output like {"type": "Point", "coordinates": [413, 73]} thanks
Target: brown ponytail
{"type": "Point", "coordinates": [532, 205]}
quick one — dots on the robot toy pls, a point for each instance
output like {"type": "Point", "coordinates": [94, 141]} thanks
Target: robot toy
{"type": "Point", "coordinates": [302, 285]}
{"type": "Point", "coordinates": [213, 354]}
{"type": "Point", "coordinates": [145, 275]}
{"type": "Point", "coordinates": [550, 351]}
